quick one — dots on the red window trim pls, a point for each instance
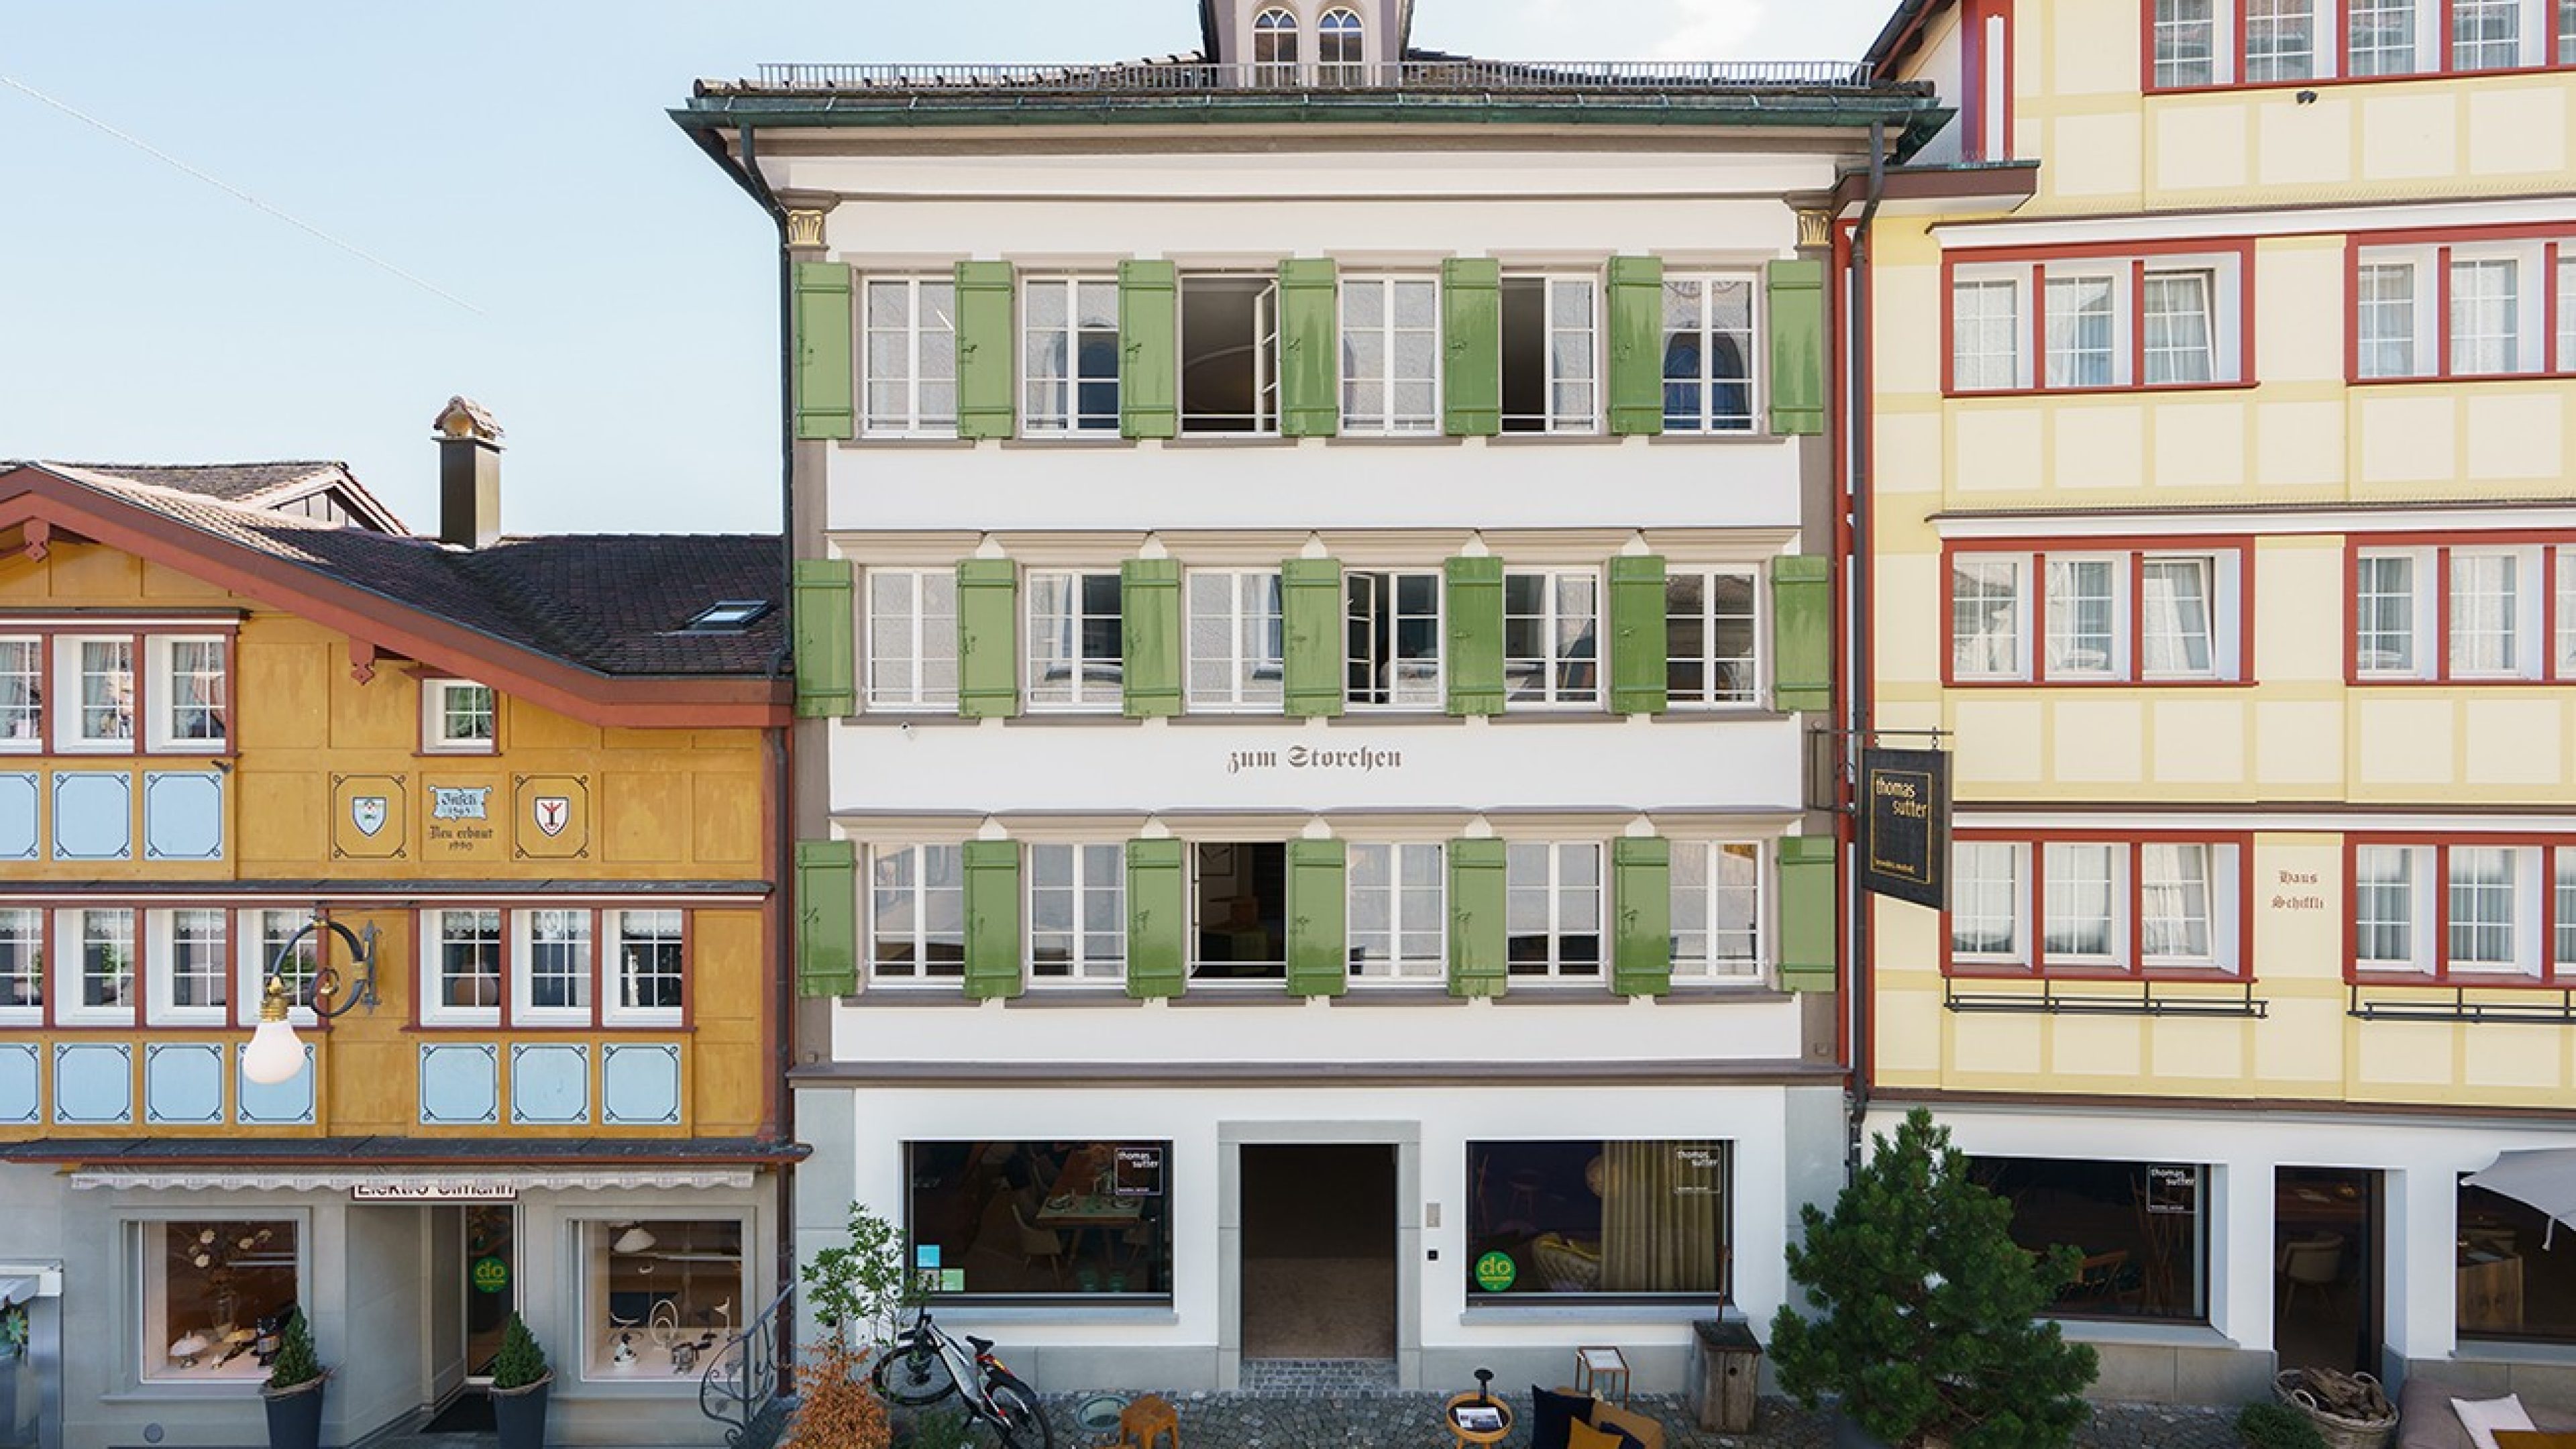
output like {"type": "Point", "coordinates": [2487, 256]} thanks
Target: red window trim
{"type": "Point", "coordinates": [2135, 969]}
{"type": "Point", "coordinates": [2552, 563]}
{"type": "Point", "coordinates": [2133, 547]}
{"type": "Point", "coordinates": [2137, 254]}
{"type": "Point", "coordinates": [2555, 238]}
{"type": "Point", "coordinates": [514, 965]}
{"type": "Point", "coordinates": [2549, 978]}
{"type": "Point", "coordinates": [2338, 32]}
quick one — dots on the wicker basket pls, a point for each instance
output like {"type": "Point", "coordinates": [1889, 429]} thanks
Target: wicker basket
{"type": "Point", "coordinates": [2340, 1431]}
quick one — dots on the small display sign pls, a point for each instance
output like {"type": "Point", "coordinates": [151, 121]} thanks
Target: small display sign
{"type": "Point", "coordinates": [490, 1274]}
{"type": "Point", "coordinates": [1496, 1272]}
{"type": "Point", "coordinates": [2173, 1189]}
{"type": "Point", "coordinates": [925, 1255]}
{"type": "Point", "coordinates": [1138, 1171]}
{"type": "Point", "coordinates": [1905, 825]}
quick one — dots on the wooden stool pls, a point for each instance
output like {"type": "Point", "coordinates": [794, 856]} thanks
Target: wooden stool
{"type": "Point", "coordinates": [1148, 1419]}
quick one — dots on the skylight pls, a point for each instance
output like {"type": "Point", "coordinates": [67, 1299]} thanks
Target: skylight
{"type": "Point", "coordinates": [726, 616]}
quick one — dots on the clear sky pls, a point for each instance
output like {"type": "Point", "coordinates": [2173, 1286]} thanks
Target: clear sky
{"type": "Point", "coordinates": [513, 154]}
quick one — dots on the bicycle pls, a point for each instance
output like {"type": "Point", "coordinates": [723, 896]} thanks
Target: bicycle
{"type": "Point", "coordinates": [925, 1364]}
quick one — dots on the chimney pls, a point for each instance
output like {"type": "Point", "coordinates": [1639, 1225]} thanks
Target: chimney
{"type": "Point", "coordinates": [469, 474]}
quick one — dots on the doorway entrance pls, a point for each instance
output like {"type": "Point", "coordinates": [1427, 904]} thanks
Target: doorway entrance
{"type": "Point", "coordinates": [2326, 1268]}
{"type": "Point", "coordinates": [1319, 1250]}
{"type": "Point", "coordinates": [491, 1284]}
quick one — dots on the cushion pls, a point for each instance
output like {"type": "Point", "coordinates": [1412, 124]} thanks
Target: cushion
{"type": "Point", "coordinates": [2482, 1417]}
{"type": "Point", "coordinates": [1552, 1414]}
{"type": "Point", "coordinates": [1584, 1436]}
{"type": "Point", "coordinates": [2533, 1439]}
{"type": "Point", "coordinates": [1642, 1431]}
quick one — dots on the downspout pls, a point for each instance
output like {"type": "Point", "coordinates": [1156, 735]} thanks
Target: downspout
{"type": "Point", "coordinates": [1857, 395]}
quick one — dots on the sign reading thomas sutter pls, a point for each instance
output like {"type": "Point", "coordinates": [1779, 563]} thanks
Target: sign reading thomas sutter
{"type": "Point", "coordinates": [1905, 825]}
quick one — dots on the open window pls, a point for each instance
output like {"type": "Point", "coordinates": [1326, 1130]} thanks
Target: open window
{"type": "Point", "coordinates": [1230, 354]}
{"type": "Point", "coordinates": [1242, 912]}
{"type": "Point", "coordinates": [1551, 354]}
{"type": "Point", "coordinates": [1393, 651]}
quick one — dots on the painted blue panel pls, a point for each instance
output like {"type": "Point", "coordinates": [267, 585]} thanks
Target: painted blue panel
{"type": "Point", "coordinates": [460, 1086]}
{"type": "Point", "coordinates": [94, 1083]}
{"type": "Point", "coordinates": [19, 837]}
{"type": "Point", "coordinates": [183, 1083]}
{"type": "Point", "coordinates": [93, 815]}
{"type": "Point", "coordinates": [549, 1085]}
{"type": "Point", "coordinates": [639, 1085]}
{"type": "Point", "coordinates": [287, 1104]}
{"type": "Point", "coordinates": [183, 816]}
{"type": "Point", "coordinates": [19, 1071]}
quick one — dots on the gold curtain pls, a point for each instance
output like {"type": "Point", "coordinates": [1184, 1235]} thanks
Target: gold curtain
{"type": "Point", "coordinates": [1659, 1217]}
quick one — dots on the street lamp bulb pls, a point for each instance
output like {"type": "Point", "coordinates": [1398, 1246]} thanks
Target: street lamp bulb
{"type": "Point", "coordinates": [274, 1055]}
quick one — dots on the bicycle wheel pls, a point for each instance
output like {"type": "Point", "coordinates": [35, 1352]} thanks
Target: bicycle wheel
{"type": "Point", "coordinates": [912, 1373]}
{"type": "Point", "coordinates": [1024, 1422]}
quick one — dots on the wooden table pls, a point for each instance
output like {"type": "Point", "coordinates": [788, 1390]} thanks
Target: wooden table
{"type": "Point", "coordinates": [1476, 1437]}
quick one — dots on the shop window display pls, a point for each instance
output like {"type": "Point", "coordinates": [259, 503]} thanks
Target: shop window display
{"type": "Point", "coordinates": [216, 1294]}
{"type": "Point", "coordinates": [2510, 1284]}
{"type": "Point", "coordinates": [660, 1296]}
{"type": "Point", "coordinates": [1021, 1219]}
{"type": "Point", "coordinates": [1597, 1219]}
{"type": "Point", "coordinates": [2139, 1226]}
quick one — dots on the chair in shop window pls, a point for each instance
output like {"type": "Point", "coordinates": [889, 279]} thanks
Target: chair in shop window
{"type": "Point", "coordinates": [2315, 1264]}
{"type": "Point", "coordinates": [1037, 1242]}
{"type": "Point", "coordinates": [2105, 1278]}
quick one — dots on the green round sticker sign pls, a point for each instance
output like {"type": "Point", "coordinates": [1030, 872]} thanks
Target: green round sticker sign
{"type": "Point", "coordinates": [1495, 1272]}
{"type": "Point", "coordinates": [490, 1275]}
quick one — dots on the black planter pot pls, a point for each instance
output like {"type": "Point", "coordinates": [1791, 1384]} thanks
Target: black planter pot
{"type": "Point", "coordinates": [295, 1416]}
{"type": "Point", "coordinates": [519, 1415]}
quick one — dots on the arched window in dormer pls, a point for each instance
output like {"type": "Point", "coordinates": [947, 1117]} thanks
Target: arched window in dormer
{"type": "Point", "coordinates": [1274, 48]}
{"type": "Point", "coordinates": [1340, 59]}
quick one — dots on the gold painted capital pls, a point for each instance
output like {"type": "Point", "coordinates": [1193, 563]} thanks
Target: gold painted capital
{"type": "Point", "coordinates": [804, 228]}
{"type": "Point", "coordinates": [1815, 228]}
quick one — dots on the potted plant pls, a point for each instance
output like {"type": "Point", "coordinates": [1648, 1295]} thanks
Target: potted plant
{"type": "Point", "coordinates": [293, 1392]}
{"type": "Point", "coordinates": [853, 1293]}
{"type": "Point", "coordinates": [520, 1379]}
{"type": "Point", "coordinates": [1924, 1323]}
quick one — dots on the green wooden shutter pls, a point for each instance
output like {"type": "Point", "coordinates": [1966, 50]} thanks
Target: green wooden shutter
{"type": "Point", "coordinates": [1471, 317]}
{"type": "Point", "coordinates": [1638, 651]}
{"type": "Point", "coordinates": [1475, 661]}
{"type": "Point", "coordinates": [1318, 944]}
{"type": "Point", "coordinates": [1807, 913]}
{"type": "Point", "coordinates": [1641, 891]}
{"type": "Point", "coordinates": [826, 388]}
{"type": "Point", "coordinates": [1149, 607]}
{"type": "Point", "coordinates": [992, 919]}
{"type": "Point", "coordinates": [1802, 633]}
{"type": "Point", "coordinates": [988, 665]}
{"type": "Point", "coordinates": [1796, 309]}
{"type": "Point", "coordinates": [1310, 609]}
{"type": "Point", "coordinates": [984, 373]}
{"type": "Point", "coordinates": [1310, 346]}
{"type": "Point", "coordinates": [1637, 345]}
{"type": "Point", "coordinates": [1477, 943]}
{"type": "Point", "coordinates": [825, 632]}
{"type": "Point", "coordinates": [1158, 919]}
{"type": "Point", "coordinates": [827, 918]}
{"type": "Point", "coordinates": [1149, 320]}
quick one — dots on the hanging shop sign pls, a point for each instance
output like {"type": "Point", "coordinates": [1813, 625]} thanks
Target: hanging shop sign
{"type": "Point", "coordinates": [434, 1189]}
{"type": "Point", "coordinates": [1905, 825]}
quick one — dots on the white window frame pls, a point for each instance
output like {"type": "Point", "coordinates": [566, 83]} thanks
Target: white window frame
{"type": "Point", "coordinates": [33, 972]}
{"type": "Point", "coordinates": [2222, 43]}
{"type": "Point", "coordinates": [1555, 970]}
{"type": "Point", "coordinates": [1401, 676]}
{"type": "Point", "coordinates": [1394, 967]}
{"type": "Point", "coordinates": [2523, 882]}
{"type": "Point", "coordinates": [70, 940]}
{"type": "Point", "coordinates": [2411, 320]}
{"type": "Point", "coordinates": [2524, 635]}
{"type": "Point", "coordinates": [1554, 420]}
{"type": "Point", "coordinates": [908, 685]}
{"type": "Point", "coordinates": [1711, 890]}
{"type": "Point", "coordinates": [1553, 616]}
{"type": "Point", "coordinates": [594, 1233]}
{"type": "Point", "coordinates": [256, 950]}
{"type": "Point", "coordinates": [434, 1010]}
{"type": "Point", "coordinates": [29, 715]}
{"type": "Point", "coordinates": [620, 931]}
{"type": "Point", "coordinates": [2115, 662]}
{"type": "Point", "coordinates": [1986, 283]}
{"type": "Point", "coordinates": [1265, 339]}
{"type": "Point", "coordinates": [910, 420]}
{"type": "Point", "coordinates": [2222, 598]}
{"type": "Point", "coordinates": [1391, 421]}
{"type": "Point", "coordinates": [146, 1250]}
{"type": "Point", "coordinates": [434, 719]}
{"type": "Point", "coordinates": [922, 974]}
{"type": "Point", "coordinates": [1085, 693]}
{"type": "Point", "coordinates": [2215, 864]}
{"type": "Point", "coordinates": [2521, 312]}
{"type": "Point", "coordinates": [1084, 966]}
{"type": "Point", "coordinates": [1349, 70]}
{"type": "Point", "coordinates": [2521, 41]}
{"type": "Point", "coordinates": [1246, 690]}
{"type": "Point", "coordinates": [2027, 283]}
{"type": "Point", "coordinates": [1269, 68]}
{"type": "Point", "coordinates": [161, 728]}
{"type": "Point", "coordinates": [1749, 693]}
{"type": "Point", "coordinates": [161, 966]}
{"type": "Point", "coordinates": [2117, 306]}
{"type": "Point", "coordinates": [1707, 333]}
{"type": "Point", "coordinates": [1061, 416]}
{"type": "Point", "coordinates": [71, 735]}
{"type": "Point", "coordinates": [2314, 60]}
{"type": "Point", "coordinates": [2056, 857]}
{"type": "Point", "coordinates": [2014, 855]}
{"type": "Point", "coordinates": [2422, 639]}
{"type": "Point", "coordinates": [2017, 611]}
{"type": "Point", "coordinates": [2417, 888]}
{"type": "Point", "coordinates": [523, 978]}
{"type": "Point", "coordinates": [2433, 334]}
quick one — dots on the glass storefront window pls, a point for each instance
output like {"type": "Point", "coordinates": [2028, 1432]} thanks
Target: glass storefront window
{"type": "Point", "coordinates": [216, 1293]}
{"type": "Point", "coordinates": [660, 1295]}
{"type": "Point", "coordinates": [1591, 1218]}
{"type": "Point", "coordinates": [2140, 1226]}
{"type": "Point", "coordinates": [1025, 1219]}
{"type": "Point", "coordinates": [2508, 1287]}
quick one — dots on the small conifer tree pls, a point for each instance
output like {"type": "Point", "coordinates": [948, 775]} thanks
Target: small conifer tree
{"type": "Point", "coordinates": [1925, 1308]}
{"type": "Point", "coordinates": [296, 1363]}
{"type": "Point", "coordinates": [521, 1363]}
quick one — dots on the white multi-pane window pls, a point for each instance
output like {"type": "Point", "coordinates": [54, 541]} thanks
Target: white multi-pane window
{"type": "Point", "coordinates": [458, 717]}
{"type": "Point", "coordinates": [2181, 321]}
{"type": "Point", "coordinates": [554, 966]}
{"type": "Point", "coordinates": [1398, 903]}
{"type": "Point", "coordinates": [2498, 609]}
{"type": "Point", "coordinates": [1235, 640]}
{"type": "Point", "coordinates": [189, 697]}
{"type": "Point", "coordinates": [2388, 602]}
{"type": "Point", "coordinates": [2467, 909]}
{"type": "Point", "coordinates": [1551, 354]}
{"type": "Point", "coordinates": [2385, 316]}
{"type": "Point", "coordinates": [2562, 911]}
{"type": "Point", "coordinates": [2176, 904]}
{"type": "Point", "coordinates": [2485, 315]}
{"type": "Point", "coordinates": [2151, 904]}
{"type": "Point", "coordinates": [2080, 883]}
{"type": "Point", "coordinates": [1077, 658]}
{"type": "Point", "coordinates": [94, 957]}
{"type": "Point", "coordinates": [1390, 355]}
{"type": "Point", "coordinates": [1988, 345]}
{"type": "Point", "coordinates": [2186, 41]}
{"type": "Point", "coordinates": [2083, 608]}
{"type": "Point", "coordinates": [2563, 563]}
{"type": "Point", "coordinates": [2181, 611]}
{"type": "Point", "coordinates": [2391, 917]}
{"type": "Point", "coordinates": [2564, 359]}
{"type": "Point", "coordinates": [22, 965]}
{"type": "Point", "coordinates": [2486, 34]}
{"type": "Point", "coordinates": [912, 639]}
{"type": "Point", "coordinates": [2082, 326]}
{"type": "Point", "coordinates": [2487, 613]}
{"type": "Point", "coordinates": [22, 693]}
{"type": "Point", "coordinates": [265, 935]}
{"type": "Point", "coordinates": [1340, 52]}
{"type": "Point", "coordinates": [1989, 901]}
{"type": "Point", "coordinates": [1069, 357]}
{"type": "Point", "coordinates": [1711, 624]}
{"type": "Point", "coordinates": [648, 967]}
{"type": "Point", "coordinates": [2280, 40]}
{"type": "Point", "coordinates": [461, 967]}
{"type": "Point", "coordinates": [1392, 639]}
{"type": "Point", "coordinates": [2177, 618]}
{"type": "Point", "coordinates": [1708, 354]}
{"type": "Point", "coordinates": [2170, 320]}
{"type": "Point", "coordinates": [908, 363]}
{"type": "Point", "coordinates": [1274, 48]}
{"type": "Point", "coordinates": [190, 975]}
{"type": "Point", "coordinates": [2567, 32]}
{"type": "Point", "coordinates": [1077, 912]}
{"type": "Point", "coordinates": [1550, 649]}
{"type": "Point", "coordinates": [97, 683]}
{"type": "Point", "coordinates": [1987, 637]}
{"type": "Point", "coordinates": [916, 912]}
{"type": "Point", "coordinates": [1553, 909]}
{"type": "Point", "coordinates": [2483, 906]}
{"type": "Point", "coordinates": [1717, 910]}
{"type": "Point", "coordinates": [2494, 323]}
{"type": "Point", "coordinates": [2379, 37]}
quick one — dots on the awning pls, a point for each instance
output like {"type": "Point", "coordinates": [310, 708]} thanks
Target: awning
{"type": "Point", "coordinates": [2543, 1177]}
{"type": "Point", "coordinates": [17, 1290]}
{"type": "Point", "coordinates": [491, 1183]}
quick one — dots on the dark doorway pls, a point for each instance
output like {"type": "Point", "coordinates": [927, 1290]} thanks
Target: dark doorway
{"type": "Point", "coordinates": [1319, 1237]}
{"type": "Point", "coordinates": [2326, 1268]}
{"type": "Point", "coordinates": [491, 1264]}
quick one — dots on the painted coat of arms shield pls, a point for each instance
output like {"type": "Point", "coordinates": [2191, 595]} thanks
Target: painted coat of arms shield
{"type": "Point", "coordinates": [552, 813]}
{"type": "Point", "coordinates": [367, 812]}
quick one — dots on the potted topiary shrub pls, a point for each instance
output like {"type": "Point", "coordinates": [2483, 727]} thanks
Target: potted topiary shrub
{"type": "Point", "coordinates": [2272, 1426]}
{"type": "Point", "coordinates": [520, 1379]}
{"type": "Point", "coordinates": [293, 1393]}
{"type": "Point", "coordinates": [1924, 1325]}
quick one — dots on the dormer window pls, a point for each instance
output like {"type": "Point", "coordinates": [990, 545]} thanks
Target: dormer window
{"type": "Point", "coordinates": [458, 717]}
{"type": "Point", "coordinates": [1274, 48]}
{"type": "Point", "coordinates": [1340, 57]}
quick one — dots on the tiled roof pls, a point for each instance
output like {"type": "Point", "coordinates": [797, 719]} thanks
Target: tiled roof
{"type": "Point", "coordinates": [229, 482]}
{"type": "Point", "coordinates": [611, 603]}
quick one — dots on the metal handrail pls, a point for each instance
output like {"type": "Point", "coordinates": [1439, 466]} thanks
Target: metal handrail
{"type": "Point", "coordinates": [746, 1375]}
{"type": "Point", "coordinates": [1169, 77]}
